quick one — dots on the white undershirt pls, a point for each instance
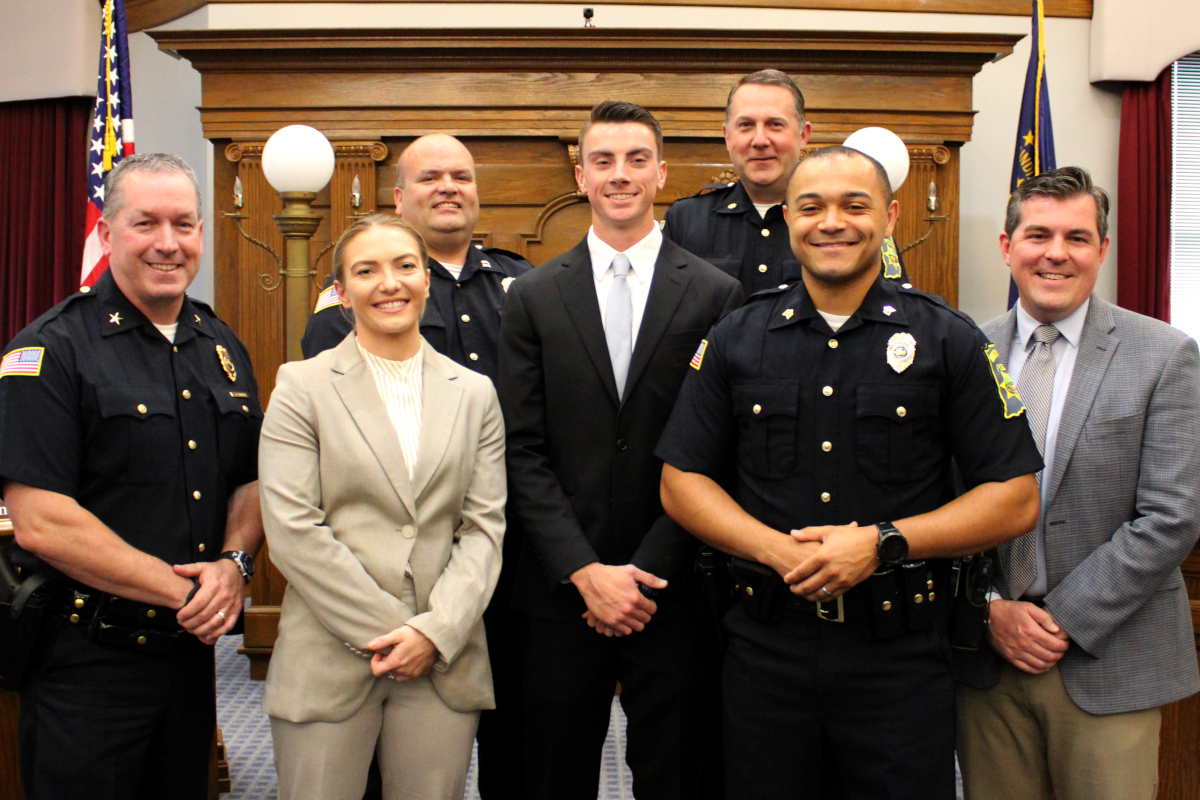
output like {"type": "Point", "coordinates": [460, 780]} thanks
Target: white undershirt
{"type": "Point", "coordinates": [454, 269]}
{"type": "Point", "coordinates": [763, 208]}
{"type": "Point", "coordinates": [399, 385]}
{"type": "Point", "coordinates": [642, 257]}
{"type": "Point", "coordinates": [835, 320]}
{"type": "Point", "coordinates": [168, 330]}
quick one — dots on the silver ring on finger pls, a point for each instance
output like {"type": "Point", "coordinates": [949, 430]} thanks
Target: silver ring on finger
{"type": "Point", "coordinates": [609, 631]}
{"type": "Point", "coordinates": [827, 592]}
{"type": "Point", "coordinates": [221, 614]}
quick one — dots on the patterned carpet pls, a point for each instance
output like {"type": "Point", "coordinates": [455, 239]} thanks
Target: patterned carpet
{"type": "Point", "coordinates": [248, 736]}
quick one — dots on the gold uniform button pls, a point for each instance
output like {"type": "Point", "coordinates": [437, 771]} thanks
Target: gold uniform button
{"type": "Point", "coordinates": [74, 619]}
{"type": "Point", "coordinates": [79, 602]}
{"type": "Point", "coordinates": [750, 591]}
{"type": "Point", "coordinates": [826, 497]}
{"type": "Point", "coordinates": [931, 596]}
{"type": "Point", "coordinates": [833, 343]}
{"type": "Point", "coordinates": [196, 494]}
{"type": "Point", "coordinates": [151, 613]}
{"type": "Point", "coordinates": [762, 267]}
{"type": "Point", "coordinates": [141, 640]}
{"type": "Point", "coordinates": [918, 599]}
{"type": "Point", "coordinates": [757, 408]}
{"type": "Point", "coordinates": [187, 395]}
{"type": "Point", "coordinates": [191, 444]}
{"type": "Point", "coordinates": [766, 232]}
{"type": "Point", "coordinates": [142, 408]}
{"type": "Point", "coordinates": [886, 605]}
{"type": "Point", "coordinates": [465, 317]}
{"type": "Point", "coordinates": [826, 446]}
{"type": "Point", "coordinates": [732, 205]}
{"type": "Point", "coordinates": [246, 409]}
{"type": "Point", "coordinates": [827, 391]}
{"type": "Point", "coordinates": [200, 547]}
{"type": "Point", "coordinates": [929, 586]}
{"type": "Point", "coordinates": [174, 349]}
{"type": "Point", "coordinates": [473, 356]}
{"type": "Point", "coordinates": [901, 411]}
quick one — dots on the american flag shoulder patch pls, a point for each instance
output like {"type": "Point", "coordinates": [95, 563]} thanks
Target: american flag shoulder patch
{"type": "Point", "coordinates": [327, 298]}
{"type": "Point", "coordinates": [699, 357]}
{"type": "Point", "coordinates": [23, 361]}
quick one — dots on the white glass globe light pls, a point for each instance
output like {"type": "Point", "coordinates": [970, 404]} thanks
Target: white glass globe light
{"type": "Point", "coordinates": [883, 146]}
{"type": "Point", "coordinates": [298, 158]}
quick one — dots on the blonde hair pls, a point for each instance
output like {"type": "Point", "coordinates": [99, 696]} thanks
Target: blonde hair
{"type": "Point", "coordinates": [365, 224]}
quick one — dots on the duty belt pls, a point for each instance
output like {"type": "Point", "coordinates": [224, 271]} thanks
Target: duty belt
{"type": "Point", "coordinates": [117, 621]}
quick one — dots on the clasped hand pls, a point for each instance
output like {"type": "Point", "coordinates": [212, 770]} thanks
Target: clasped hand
{"type": "Point", "coordinates": [405, 653]}
{"type": "Point", "coordinates": [846, 556]}
{"type": "Point", "coordinates": [616, 606]}
{"type": "Point", "coordinates": [1026, 636]}
{"type": "Point", "coordinates": [215, 607]}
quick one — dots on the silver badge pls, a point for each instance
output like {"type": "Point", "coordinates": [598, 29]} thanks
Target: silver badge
{"type": "Point", "coordinates": [901, 349]}
{"type": "Point", "coordinates": [504, 284]}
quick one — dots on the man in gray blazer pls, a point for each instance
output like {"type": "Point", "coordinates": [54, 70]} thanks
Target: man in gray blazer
{"type": "Point", "coordinates": [1090, 631]}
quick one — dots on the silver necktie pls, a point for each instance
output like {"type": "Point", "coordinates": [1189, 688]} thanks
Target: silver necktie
{"type": "Point", "coordinates": [618, 322]}
{"type": "Point", "coordinates": [1018, 558]}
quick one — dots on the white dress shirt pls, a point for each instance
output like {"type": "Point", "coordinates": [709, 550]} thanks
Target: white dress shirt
{"type": "Point", "coordinates": [1064, 350]}
{"type": "Point", "coordinates": [399, 384]}
{"type": "Point", "coordinates": [642, 257]}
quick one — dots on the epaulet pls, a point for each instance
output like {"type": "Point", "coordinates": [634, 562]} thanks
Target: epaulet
{"type": "Point", "coordinates": [936, 300]}
{"type": "Point", "coordinates": [327, 299]}
{"type": "Point", "coordinates": [769, 293]}
{"type": "Point", "coordinates": [203, 305]}
{"type": "Point", "coordinates": [500, 251]}
{"type": "Point", "coordinates": [715, 187]}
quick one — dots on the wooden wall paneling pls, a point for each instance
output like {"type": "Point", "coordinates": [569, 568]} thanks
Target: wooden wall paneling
{"type": "Point", "coordinates": [142, 14]}
{"type": "Point", "coordinates": [1178, 766]}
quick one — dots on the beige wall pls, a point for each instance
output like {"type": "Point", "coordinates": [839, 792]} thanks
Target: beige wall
{"type": "Point", "coordinates": [1132, 40]}
{"type": "Point", "coordinates": [167, 91]}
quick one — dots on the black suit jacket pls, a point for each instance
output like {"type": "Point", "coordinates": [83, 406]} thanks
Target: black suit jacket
{"type": "Point", "coordinates": [583, 479]}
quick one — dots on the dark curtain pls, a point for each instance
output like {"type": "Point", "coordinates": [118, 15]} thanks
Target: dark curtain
{"type": "Point", "coordinates": [1144, 196]}
{"type": "Point", "coordinates": [43, 186]}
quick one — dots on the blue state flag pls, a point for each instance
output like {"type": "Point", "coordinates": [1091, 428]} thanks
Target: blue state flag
{"type": "Point", "coordinates": [1035, 135]}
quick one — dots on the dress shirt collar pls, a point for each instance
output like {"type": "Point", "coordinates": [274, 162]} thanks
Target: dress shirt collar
{"type": "Point", "coordinates": [642, 256]}
{"type": "Point", "coordinates": [1071, 327]}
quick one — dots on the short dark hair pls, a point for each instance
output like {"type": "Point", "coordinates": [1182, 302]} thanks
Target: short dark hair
{"type": "Point", "coordinates": [158, 163]}
{"type": "Point", "coordinates": [364, 224]}
{"type": "Point", "coordinates": [615, 112]}
{"type": "Point", "coordinates": [769, 77]}
{"type": "Point", "coordinates": [833, 151]}
{"type": "Point", "coordinates": [1064, 183]}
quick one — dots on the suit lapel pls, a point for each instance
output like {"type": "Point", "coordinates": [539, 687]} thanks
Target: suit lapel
{"type": "Point", "coordinates": [1004, 335]}
{"type": "Point", "coordinates": [356, 388]}
{"type": "Point", "coordinates": [666, 292]}
{"type": "Point", "coordinates": [1096, 349]}
{"type": "Point", "coordinates": [577, 285]}
{"type": "Point", "coordinates": [440, 398]}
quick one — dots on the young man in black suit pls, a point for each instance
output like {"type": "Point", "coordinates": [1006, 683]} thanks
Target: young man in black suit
{"type": "Point", "coordinates": [594, 345]}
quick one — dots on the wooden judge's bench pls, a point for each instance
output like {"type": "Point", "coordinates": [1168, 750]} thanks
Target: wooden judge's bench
{"type": "Point", "coordinates": [517, 100]}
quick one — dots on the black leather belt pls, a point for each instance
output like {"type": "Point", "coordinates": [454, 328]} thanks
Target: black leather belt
{"type": "Point", "coordinates": [117, 621]}
{"type": "Point", "coordinates": [850, 606]}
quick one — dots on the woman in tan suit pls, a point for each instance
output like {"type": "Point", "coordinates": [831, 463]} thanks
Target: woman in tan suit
{"type": "Point", "coordinates": [381, 469]}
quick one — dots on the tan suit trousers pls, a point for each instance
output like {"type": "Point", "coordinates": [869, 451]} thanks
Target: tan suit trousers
{"type": "Point", "coordinates": [1025, 738]}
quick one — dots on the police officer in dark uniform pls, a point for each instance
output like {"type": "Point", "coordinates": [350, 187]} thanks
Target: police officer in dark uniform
{"type": "Point", "coordinates": [841, 401]}
{"type": "Point", "coordinates": [129, 421]}
{"type": "Point", "coordinates": [436, 192]}
{"type": "Point", "coordinates": [739, 226]}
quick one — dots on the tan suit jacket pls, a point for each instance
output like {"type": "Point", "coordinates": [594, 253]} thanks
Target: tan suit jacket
{"type": "Point", "coordinates": [343, 519]}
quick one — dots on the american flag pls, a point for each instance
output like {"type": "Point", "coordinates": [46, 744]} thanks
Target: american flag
{"type": "Point", "coordinates": [24, 361]}
{"type": "Point", "coordinates": [112, 130]}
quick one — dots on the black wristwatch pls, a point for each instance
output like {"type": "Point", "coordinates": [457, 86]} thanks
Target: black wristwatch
{"type": "Point", "coordinates": [892, 548]}
{"type": "Point", "coordinates": [243, 561]}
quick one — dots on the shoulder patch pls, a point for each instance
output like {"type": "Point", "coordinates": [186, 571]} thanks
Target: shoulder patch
{"type": "Point", "coordinates": [327, 299]}
{"type": "Point", "coordinates": [1013, 407]}
{"type": "Point", "coordinates": [891, 260]}
{"type": "Point", "coordinates": [23, 361]}
{"type": "Point", "coordinates": [698, 359]}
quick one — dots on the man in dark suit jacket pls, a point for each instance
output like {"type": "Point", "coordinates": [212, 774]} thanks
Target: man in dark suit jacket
{"type": "Point", "coordinates": [594, 345]}
{"type": "Point", "coordinates": [1090, 632]}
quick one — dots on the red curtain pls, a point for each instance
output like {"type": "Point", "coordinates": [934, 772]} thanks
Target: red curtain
{"type": "Point", "coordinates": [43, 185]}
{"type": "Point", "coordinates": [1144, 198]}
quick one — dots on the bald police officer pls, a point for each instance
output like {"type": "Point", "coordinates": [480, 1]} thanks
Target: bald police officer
{"type": "Point", "coordinates": [129, 420]}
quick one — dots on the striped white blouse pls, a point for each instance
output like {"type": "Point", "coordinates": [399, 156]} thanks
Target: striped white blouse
{"type": "Point", "coordinates": [399, 384]}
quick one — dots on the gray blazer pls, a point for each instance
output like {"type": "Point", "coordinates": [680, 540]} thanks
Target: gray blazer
{"type": "Point", "coordinates": [1122, 512]}
{"type": "Point", "coordinates": [343, 520]}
